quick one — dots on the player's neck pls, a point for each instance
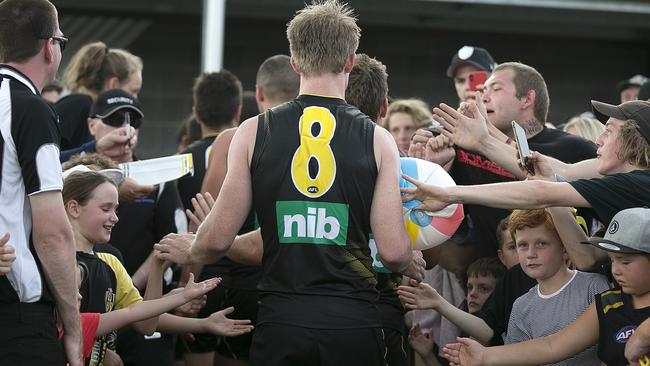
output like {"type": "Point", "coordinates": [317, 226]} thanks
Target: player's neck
{"type": "Point", "coordinates": [82, 244]}
{"type": "Point", "coordinates": [331, 85]}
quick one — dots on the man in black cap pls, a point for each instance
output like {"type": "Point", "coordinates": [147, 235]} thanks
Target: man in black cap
{"type": "Point", "coordinates": [628, 89]}
{"type": "Point", "coordinates": [468, 59]}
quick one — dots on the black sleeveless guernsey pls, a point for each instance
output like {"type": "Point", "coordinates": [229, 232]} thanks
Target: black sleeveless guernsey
{"type": "Point", "coordinates": [313, 176]}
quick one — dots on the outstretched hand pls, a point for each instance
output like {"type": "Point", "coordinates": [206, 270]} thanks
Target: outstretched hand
{"type": "Point", "coordinates": [419, 296]}
{"type": "Point", "coordinates": [541, 164]}
{"type": "Point", "coordinates": [433, 198]}
{"type": "Point", "coordinates": [202, 204]}
{"type": "Point", "coordinates": [217, 323]}
{"type": "Point", "coordinates": [466, 130]}
{"type": "Point", "coordinates": [437, 149]}
{"type": "Point", "coordinates": [467, 352]}
{"type": "Point", "coordinates": [193, 290]}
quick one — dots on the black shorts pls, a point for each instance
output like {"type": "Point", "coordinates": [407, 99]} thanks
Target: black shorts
{"type": "Point", "coordinates": [29, 336]}
{"type": "Point", "coordinates": [286, 345]}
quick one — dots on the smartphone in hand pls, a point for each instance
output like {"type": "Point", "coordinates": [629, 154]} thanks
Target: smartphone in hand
{"type": "Point", "coordinates": [522, 147]}
{"type": "Point", "coordinates": [477, 78]}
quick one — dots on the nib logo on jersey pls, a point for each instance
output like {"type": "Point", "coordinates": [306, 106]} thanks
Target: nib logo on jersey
{"type": "Point", "coordinates": [312, 222]}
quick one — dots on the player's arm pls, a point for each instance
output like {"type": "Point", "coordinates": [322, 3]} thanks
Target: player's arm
{"type": "Point", "coordinates": [386, 219]}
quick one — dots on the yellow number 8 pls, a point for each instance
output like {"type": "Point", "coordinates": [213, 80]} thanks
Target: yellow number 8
{"type": "Point", "coordinates": [316, 147]}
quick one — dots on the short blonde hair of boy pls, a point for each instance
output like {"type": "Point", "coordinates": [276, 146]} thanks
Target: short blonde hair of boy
{"type": "Point", "coordinates": [416, 108]}
{"type": "Point", "coordinates": [633, 147]}
{"type": "Point", "coordinates": [588, 128]}
{"type": "Point", "coordinates": [322, 36]}
{"type": "Point", "coordinates": [521, 219]}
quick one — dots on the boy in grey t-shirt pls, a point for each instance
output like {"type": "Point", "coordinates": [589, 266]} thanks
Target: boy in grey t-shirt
{"type": "Point", "coordinates": [561, 294]}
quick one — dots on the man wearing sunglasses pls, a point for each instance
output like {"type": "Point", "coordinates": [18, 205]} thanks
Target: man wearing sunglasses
{"type": "Point", "coordinates": [116, 109]}
{"type": "Point", "coordinates": [32, 211]}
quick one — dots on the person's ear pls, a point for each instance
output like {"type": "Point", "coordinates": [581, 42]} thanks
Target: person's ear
{"type": "Point", "coordinates": [92, 125]}
{"type": "Point", "coordinates": [259, 94]}
{"type": "Point", "coordinates": [349, 63]}
{"type": "Point", "coordinates": [72, 208]}
{"type": "Point", "coordinates": [383, 110]}
{"type": "Point", "coordinates": [528, 100]}
{"type": "Point", "coordinates": [294, 66]}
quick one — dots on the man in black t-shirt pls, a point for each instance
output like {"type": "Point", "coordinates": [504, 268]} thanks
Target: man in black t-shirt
{"type": "Point", "coordinates": [514, 92]}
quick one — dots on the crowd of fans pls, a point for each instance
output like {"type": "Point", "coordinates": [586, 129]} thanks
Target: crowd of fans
{"type": "Point", "coordinates": [549, 266]}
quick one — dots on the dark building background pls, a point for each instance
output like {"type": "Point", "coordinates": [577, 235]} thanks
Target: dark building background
{"type": "Point", "coordinates": [582, 49]}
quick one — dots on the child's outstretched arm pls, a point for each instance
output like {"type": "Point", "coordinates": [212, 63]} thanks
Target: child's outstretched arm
{"type": "Point", "coordinates": [152, 308]}
{"type": "Point", "coordinates": [423, 296]}
{"type": "Point", "coordinates": [577, 336]}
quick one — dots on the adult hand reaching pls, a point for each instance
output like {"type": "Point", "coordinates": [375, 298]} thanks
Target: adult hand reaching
{"type": "Point", "coordinates": [433, 198]}
{"type": "Point", "coordinates": [467, 131]}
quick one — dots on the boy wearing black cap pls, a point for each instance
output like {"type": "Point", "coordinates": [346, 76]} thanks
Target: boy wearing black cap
{"type": "Point", "coordinates": [468, 59]}
{"type": "Point", "coordinates": [609, 321]}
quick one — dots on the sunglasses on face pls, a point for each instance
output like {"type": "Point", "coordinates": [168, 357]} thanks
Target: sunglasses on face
{"type": "Point", "coordinates": [118, 119]}
{"type": "Point", "coordinates": [61, 40]}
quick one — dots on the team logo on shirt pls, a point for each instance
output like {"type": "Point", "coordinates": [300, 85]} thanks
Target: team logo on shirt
{"type": "Point", "coordinates": [312, 222]}
{"type": "Point", "coordinates": [622, 335]}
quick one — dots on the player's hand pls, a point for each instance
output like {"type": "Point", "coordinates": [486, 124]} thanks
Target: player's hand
{"type": "Point", "coordinates": [175, 247]}
{"type": "Point", "coordinates": [467, 352]}
{"type": "Point", "coordinates": [433, 198]}
{"type": "Point", "coordinates": [416, 268]}
{"type": "Point", "coordinates": [437, 149]}
{"type": "Point", "coordinates": [636, 348]}
{"type": "Point", "coordinates": [217, 323]}
{"type": "Point", "coordinates": [7, 255]}
{"type": "Point", "coordinates": [419, 296]}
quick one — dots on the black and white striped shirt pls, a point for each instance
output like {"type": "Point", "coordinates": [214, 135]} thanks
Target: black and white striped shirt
{"type": "Point", "coordinates": [29, 158]}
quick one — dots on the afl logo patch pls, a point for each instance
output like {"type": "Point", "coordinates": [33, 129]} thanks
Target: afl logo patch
{"type": "Point", "coordinates": [624, 333]}
{"type": "Point", "coordinates": [613, 227]}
